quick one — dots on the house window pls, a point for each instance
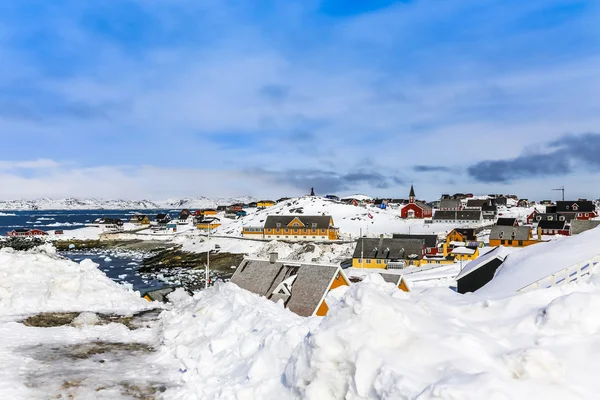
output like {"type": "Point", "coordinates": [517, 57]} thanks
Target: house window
{"type": "Point", "coordinates": [295, 230]}
{"type": "Point", "coordinates": [277, 230]}
{"type": "Point", "coordinates": [567, 207]}
{"type": "Point", "coordinates": [520, 243]}
{"type": "Point", "coordinates": [538, 218]}
{"type": "Point", "coordinates": [378, 261]}
{"type": "Point", "coordinates": [314, 225]}
{"type": "Point", "coordinates": [561, 218]}
{"type": "Point", "coordinates": [579, 214]}
{"type": "Point", "coordinates": [550, 218]}
{"type": "Point", "coordinates": [314, 231]}
{"type": "Point", "coordinates": [278, 224]}
{"type": "Point", "coordinates": [322, 230]}
{"type": "Point", "coordinates": [587, 214]}
{"type": "Point", "coordinates": [368, 261]}
{"type": "Point", "coordinates": [360, 260]}
{"type": "Point", "coordinates": [501, 235]}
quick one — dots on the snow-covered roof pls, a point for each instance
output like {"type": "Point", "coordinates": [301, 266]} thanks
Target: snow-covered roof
{"type": "Point", "coordinates": [541, 260]}
{"type": "Point", "coordinates": [498, 252]}
{"type": "Point", "coordinates": [463, 250]}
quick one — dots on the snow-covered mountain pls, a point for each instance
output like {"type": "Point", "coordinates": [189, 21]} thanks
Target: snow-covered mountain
{"type": "Point", "coordinates": [203, 202]}
{"type": "Point", "coordinates": [100, 204]}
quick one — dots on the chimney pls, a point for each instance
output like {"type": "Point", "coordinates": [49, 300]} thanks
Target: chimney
{"type": "Point", "coordinates": [273, 257]}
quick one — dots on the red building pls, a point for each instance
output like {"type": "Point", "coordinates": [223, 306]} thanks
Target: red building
{"type": "Point", "coordinates": [26, 232]}
{"type": "Point", "coordinates": [414, 208]}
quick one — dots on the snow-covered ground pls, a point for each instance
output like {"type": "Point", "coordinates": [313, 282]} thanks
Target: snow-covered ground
{"type": "Point", "coordinates": [376, 342]}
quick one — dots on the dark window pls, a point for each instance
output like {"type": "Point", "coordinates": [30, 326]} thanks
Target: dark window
{"type": "Point", "coordinates": [520, 243]}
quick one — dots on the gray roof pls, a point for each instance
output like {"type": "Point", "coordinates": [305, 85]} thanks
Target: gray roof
{"type": "Point", "coordinates": [506, 232]}
{"type": "Point", "coordinates": [424, 206]}
{"type": "Point", "coordinates": [430, 240]}
{"type": "Point", "coordinates": [450, 203]}
{"type": "Point", "coordinates": [389, 248]}
{"type": "Point", "coordinates": [322, 221]}
{"type": "Point", "coordinates": [578, 226]}
{"type": "Point", "coordinates": [309, 288]}
{"type": "Point", "coordinates": [464, 215]}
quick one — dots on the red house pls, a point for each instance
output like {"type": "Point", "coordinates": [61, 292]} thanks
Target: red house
{"type": "Point", "coordinates": [26, 232]}
{"type": "Point", "coordinates": [553, 228]}
{"type": "Point", "coordinates": [414, 208]}
{"type": "Point", "coordinates": [531, 217]}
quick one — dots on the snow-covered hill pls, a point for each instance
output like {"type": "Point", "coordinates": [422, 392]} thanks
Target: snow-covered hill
{"type": "Point", "coordinates": [350, 219]}
{"type": "Point", "coordinates": [203, 202]}
{"type": "Point", "coordinates": [76, 204]}
{"type": "Point", "coordinates": [100, 204]}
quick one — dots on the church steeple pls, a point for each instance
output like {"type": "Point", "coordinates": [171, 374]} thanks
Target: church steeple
{"type": "Point", "coordinates": [411, 195]}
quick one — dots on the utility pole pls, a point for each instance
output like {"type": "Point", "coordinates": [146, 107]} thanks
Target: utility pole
{"type": "Point", "coordinates": [561, 189]}
{"type": "Point", "coordinates": [362, 250]}
{"type": "Point", "coordinates": [207, 269]}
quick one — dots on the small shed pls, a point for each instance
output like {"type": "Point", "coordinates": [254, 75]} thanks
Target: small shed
{"type": "Point", "coordinates": [480, 271]}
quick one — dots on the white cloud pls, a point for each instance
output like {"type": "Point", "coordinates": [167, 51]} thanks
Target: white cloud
{"type": "Point", "coordinates": [33, 164]}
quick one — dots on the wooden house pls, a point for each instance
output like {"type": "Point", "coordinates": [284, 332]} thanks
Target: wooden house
{"type": "Point", "coordinates": [580, 209]}
{"type": "Point", "coordinates": [111, 225]}
{"type": "Point", "coordinates": [488, 207]}
{"type": "Point", "coordinates": [550, 228]}
{"type": "Point", "coordinates": [300, 228]}
{"type": "Point", "coordinates": [301, 287]}
{"type": "Point", "coordinates": [139, 219]}
{"type": "Point", "coordinates": [162, 219]}
{"type": "Point", "coordinates": [512, 236]}
{"type": "Point", "coordinates": [381, 252]}
{"type": "Point", "coordinates": [265, 203]}
{"type": "Point", "coordinates": [458, 217]}
{"type": "Point", "coordinates": [415, 208]}
{"type": "Point", "coordinates": [26, 233]}
{"type": "Point", "coordinates": [531, 217]}
{"type": "Point", "coordinates": [450, 205]}
{"type": "Point", "coordinates": [208, 223]}
{"type": "Point", "coordinates": [431, 242]}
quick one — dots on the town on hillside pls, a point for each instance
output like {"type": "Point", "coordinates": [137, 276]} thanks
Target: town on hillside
{"type": "Point", "coordinates": [405, 240]}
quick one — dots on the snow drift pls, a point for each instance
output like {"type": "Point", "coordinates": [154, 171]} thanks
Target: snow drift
{"type": "Point", "coordinates": [380, 342]}
{"type": "Point", "coordinates": [41, 281]}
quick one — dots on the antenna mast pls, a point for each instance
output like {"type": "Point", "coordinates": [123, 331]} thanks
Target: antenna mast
{"type": "Point", "coordinates": [561, 189]}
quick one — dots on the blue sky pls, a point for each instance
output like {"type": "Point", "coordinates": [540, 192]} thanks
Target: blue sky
{"type": "Point", "coordinates": [170, 98]}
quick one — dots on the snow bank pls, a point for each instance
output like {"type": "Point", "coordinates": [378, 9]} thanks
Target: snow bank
{"type": "Point", "coordinates": [535, 262]}
{"type": "Point", "coordinates": [41, 281]}
{"type": "Point", "coordinates": [231, 344]}
{"type": "Point", "coordinates": [381, 343]}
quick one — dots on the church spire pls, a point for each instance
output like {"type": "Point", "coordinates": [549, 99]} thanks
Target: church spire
{"type": "Point", "coordinates": [411, 195]}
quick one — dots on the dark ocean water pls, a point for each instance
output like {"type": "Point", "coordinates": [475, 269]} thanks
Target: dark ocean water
{"type": "Point", "coordinates": [65, 220]}
{"type": "Point", "coordinates": [118, 265]}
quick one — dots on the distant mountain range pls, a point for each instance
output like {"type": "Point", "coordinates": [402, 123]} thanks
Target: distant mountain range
{"type": "Point", "coordinates": [100, 204]}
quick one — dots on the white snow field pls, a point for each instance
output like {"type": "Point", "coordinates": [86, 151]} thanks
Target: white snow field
{"type": "Point", "coordinates": [83, 359]}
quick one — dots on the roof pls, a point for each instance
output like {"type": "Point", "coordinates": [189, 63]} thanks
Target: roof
{"type": "Point", "coordinates": [545, 224]}
{"type": "Point", "coordinates": [554, 216]}
{"type": "Point", "coordinates": [412, 191]}
{"type": "Point", "coordinates": [322, 221]}
{"type": "Point", "coordinates": [422, 205]}
{"type": "Point", "coordinates": [389, 248]}
{"type": "Point", "coordinates": [498, 253]}
{"type": "Point", "coordinates": [506, 221]}
{"type": "Point", "coordinates": [307, 290]}
{"type": "Point", "coordinates": [264, 201]}
{"type": "Point", "coordinates": [532, 263]}
{"type": "Point", "coordinates": [468, 233]}
{"type": "Point", "coordinates": [430, 240]}
{"type": "Point", "coordinates": [463, 215]}
{"type": "Point", "coordinates": [582, 206]}
{"type": "Point", "coordinates": [579, 226]}
{"type": "Point", "coordinates": [450, 203]}
{"type": "Point", "coordinates": [506, 232]}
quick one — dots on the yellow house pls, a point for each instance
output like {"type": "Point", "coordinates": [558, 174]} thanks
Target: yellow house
{"type": "Point", "coordinates": [265, 203]}
{"type": "Point", "coordinates": [140, 220]}
{"type": "Point", "coordinates": [512, 236]}
{"type": "Point", "coordinates": [319, 228]}
{"type": "Point", "coordinates": [462, 244]}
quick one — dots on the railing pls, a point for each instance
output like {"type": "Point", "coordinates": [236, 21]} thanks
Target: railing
{"type": "Point", "coordinates": [570, 274]}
